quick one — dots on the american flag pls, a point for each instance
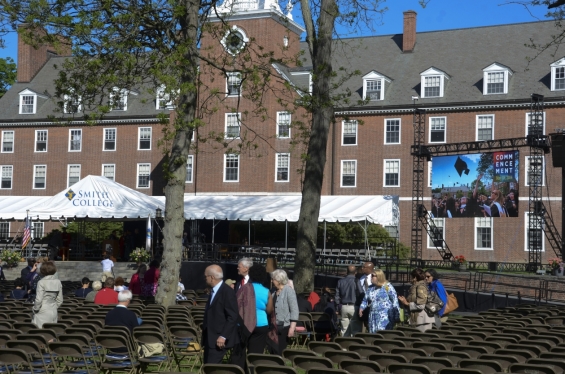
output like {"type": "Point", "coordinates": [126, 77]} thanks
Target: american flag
{"type": "Point", "coordinates": [27, 234]}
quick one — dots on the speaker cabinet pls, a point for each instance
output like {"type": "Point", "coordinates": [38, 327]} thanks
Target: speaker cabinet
{"type": "Point", "coordinates": [558, 150]}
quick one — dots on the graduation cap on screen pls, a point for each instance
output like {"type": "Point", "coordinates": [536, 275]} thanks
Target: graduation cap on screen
{"type": "Point", "coordinates": [461, 166]}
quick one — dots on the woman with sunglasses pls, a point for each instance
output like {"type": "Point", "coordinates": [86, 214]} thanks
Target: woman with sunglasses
{"type": "Point", "coordinates": [434, 284]}
{"type": "Point", "coordinates": [416, 302]}
{"type": "Point", "coordinates": [381, 302]}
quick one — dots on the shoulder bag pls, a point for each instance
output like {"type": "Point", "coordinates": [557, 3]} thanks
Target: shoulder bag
{"type": "Point", "coordinates": [452, 304]}
{"type": "Point", "coordinates": [433, 304]}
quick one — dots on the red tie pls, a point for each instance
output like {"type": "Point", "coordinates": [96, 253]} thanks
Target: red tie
{"type": "Point", "coordinates": [243, 282]}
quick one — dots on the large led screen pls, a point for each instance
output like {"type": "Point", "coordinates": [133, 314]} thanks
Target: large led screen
{"type": "Point", "coordinates": [475, 185]}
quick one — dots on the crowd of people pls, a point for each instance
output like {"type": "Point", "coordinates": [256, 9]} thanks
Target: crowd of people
{"type": "Point", "coordinates": [476, 205]}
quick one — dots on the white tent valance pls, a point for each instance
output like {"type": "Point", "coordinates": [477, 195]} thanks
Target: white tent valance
{"type": "Point", "coordinates": [376, 209]}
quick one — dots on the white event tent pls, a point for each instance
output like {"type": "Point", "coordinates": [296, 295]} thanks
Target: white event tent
{"type": "Point", "coordinates": [91, 198]}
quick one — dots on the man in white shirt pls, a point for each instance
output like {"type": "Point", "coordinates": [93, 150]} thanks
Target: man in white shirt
{"type": "Point", "coordinates": [243, 267]}
{"type": "Point", "coordinates": [107, 266]}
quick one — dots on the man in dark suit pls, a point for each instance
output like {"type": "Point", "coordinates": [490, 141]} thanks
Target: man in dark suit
{"type": "Point", "coordinates": [121, 315]}
{"type": "Point", "coordinates": [219, 328]}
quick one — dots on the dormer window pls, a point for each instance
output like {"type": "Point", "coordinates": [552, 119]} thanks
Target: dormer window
{"type": "Point", "coordinates": [433, 82]}
{"type": "Point", "coordinates": [119, 99]}
{"type": "Point", "coordinates": [163, 100]}
{"type": "Point", "coordinates": [374, 86]}
{"type": "Point", "coordinates": [71, 103]}
{"type": "Point", "coordinates": [28, 101]}
{"type": "Point", "coordinates": [495, 79]}
{"type": "Point", "coordinates": [558, 75]}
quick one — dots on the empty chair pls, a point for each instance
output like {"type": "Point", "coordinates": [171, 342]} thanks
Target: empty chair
{"type": "Point", "coordinates": [425, 336]}
{"type": "Point", "coordinates": [385, 359]}
{"type": "Point", "coordinates": [557, 364]}
{"type": "Point", "coordinates": [254, 359]}
{"type": "Point", "coordinates": [484, 366]}
{"type": "Point", "coordinates": [365, 350]}
{"type": "Point", "coordinates": [321, 347]}
{"type": "Point", "coordinates": [408, 369]}
{"type": "Point", "coordinates": [454, 357]}
{"type": "Point", "coordinates": [289, 354]}
{"type": "Point", "coordinates": [534, 349]}
{"type": "Point", "coordinates": [491, 347]}
{"type": "Point", "coordinates": [367, 337]}
{"type": "Point", "coordinates": [409, 353]}
{"type": "Point", "coordinates": [310, 362]}
{"type": "Point", "coordinates": [346, 342]}
{"type": "Point", "coordinates": [274, 369]}
{"type": "Point", "coordinates": [458, 371]}
{"type": "Point", "coordinates": [360, 366]}
{"type": "Point", "coordinates": [473, 335]}
{"type": "Point", "coordinates": [435, 364]}
{"type": "Point", "coordinates": [474, 352]}
{"type": "Point", "coordinates": [337, 356]}
{"type": "Point", "coordinates": [520, 354]}
{"type": "Point", "coordinates": [391, 334]}
{"type": "Point", "coordinates": [503, 360]}
{"type": "Point", "coordinates": [430, 347]}
{"type": "Point", "coordinates": [531, 368]}
{"type": "Point", "coordinates": [387, 344]}
{"type": "Point", "coordinates": [448, 343]}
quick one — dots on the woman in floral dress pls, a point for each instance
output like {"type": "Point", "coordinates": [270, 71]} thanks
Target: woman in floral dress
{"type": "Point", "coordinates": [381, 302]}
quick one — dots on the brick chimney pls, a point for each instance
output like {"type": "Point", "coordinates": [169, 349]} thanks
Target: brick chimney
{"type": "Point", "coordinates": [31, 59]}
{"type": "Point", "coordinates": [409, 33]}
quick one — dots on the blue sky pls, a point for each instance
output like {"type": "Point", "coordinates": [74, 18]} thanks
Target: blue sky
{"type": "Point", "coordinates": [443, 171]}
{"type": "Point", "coordinates": [437, 15]}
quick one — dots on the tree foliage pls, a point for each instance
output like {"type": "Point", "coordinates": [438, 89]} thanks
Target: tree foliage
{"type": "Point", "coordinates": [7, 74]}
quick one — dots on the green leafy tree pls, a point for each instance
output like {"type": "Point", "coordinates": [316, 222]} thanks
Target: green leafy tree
{"type": "Point", "coordinates": [7, 74]}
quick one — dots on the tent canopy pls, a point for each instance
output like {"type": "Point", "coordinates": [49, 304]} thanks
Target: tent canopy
{"type": "Point", "coordinates": [92, 197]}
{"type": "Point", "coordinates": [376, 209]}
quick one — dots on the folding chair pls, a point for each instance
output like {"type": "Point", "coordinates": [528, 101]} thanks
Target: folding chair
{"type": "Point", "coordinates": [274, 369]}
{"type": "Point", "coordinates": [125, 360]}
{"type": "Point", "coordinates": [148, 337]}
{"type": "Point", "coordinates": [360, 366]}
{"type": "Point", "coordinates": [13, 359]}
{"type": "Point", "coordinates": [310, 362]}
{"type": "Point", "coordinates": [180, 336]}
{"type": "Point", "coordinates": [221, 369]}
{"type": "Point", "coordinates": [70, 357]}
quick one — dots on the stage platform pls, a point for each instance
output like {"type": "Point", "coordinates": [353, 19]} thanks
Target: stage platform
{"type": "Point", "coordinates": [76, 270]}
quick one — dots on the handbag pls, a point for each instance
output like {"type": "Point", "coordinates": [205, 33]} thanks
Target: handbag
{"type": "Point", "coordinates": [433, 304]}
{"type": "Point", "coordinates": [452, 304]}
{"type": "Point", "coordinates": [393, 312]}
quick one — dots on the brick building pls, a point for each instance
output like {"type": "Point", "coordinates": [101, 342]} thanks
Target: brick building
{"type": "Point", "coordinates": [475, 84]}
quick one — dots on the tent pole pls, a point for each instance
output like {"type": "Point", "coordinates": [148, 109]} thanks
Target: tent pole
{"type": "Point", "coordinates": [366, 241]}
{"type": "Point", "coordinates": [213, 229]}
{"type": "Point", "coordinates": [249, 233]}
{"type": "Point", "coordinates": [324, 237]}
{"type": "Point", "coordinates": [286, 235]}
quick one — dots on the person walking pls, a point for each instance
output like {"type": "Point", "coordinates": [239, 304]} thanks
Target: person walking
{"type": "Point", "coordinates": [434, 284]}
{"type": "Point", "coordinates": [416, 302]}
{"type": "Point", "coordinates": [219, 327]}
{"type": "Point", "coordinates": [381, 302]}
{"type": "Point", "coordinates": [151, 280]}
{"type": "Point", "coordinates": [286, 312]}
{"type": "Point", "coordinates": [49, 296]}
{"type": "Point", "coordinates": [346, 293]}
{"type": "Point", "coordinates": [136, 282]}
{"type": "Point", "coordinates": [243, 267]}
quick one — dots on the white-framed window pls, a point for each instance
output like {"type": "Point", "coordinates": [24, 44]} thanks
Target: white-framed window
{"type": "Point", "coordinates": [374, 89]}
{"type": "Point", "coordinates": [233, 84]}
{"type": "Point", "coordinates": [231, 168]}
{"type": "Point", "coordinates": [374, 86]}
{"type": "Point", "coordinates": [535, 234]}
{"type": "Point", "coordinates": [118, 99]}
{"type": "Point", "coordinates": [531, 123]}
{"type": "Point", "coordinates": [391, 176]}
{"type": "Point", "coordinates": [41, 140]}
{"type": "Point", "coordinates": [189, 168]}
{"type": "Point", "coordinates": [75, 140]}
{"type": "Point", "coordinates": [558, 75]}
{"type": "Point", "coordinates": [109, 171]}
{"type": "Point", "coordinates": [28, 104]}
{"type": "Point", "coordinates": [535, 170]}
{"type": "Point", "coordinates": [4, 230]}
{"type": "Point", "coordinates": [7, 142]}
{"type": "Point", "coordinates": [233, 125]}
{"type": "Point", "coordinates": [392, 231]}
{"type": "Point", "coordinates": [483, 233]}
{"type": "Point", "coordinates": [439, 234]}
{"type": "Point", "coordinates": [349, 132]}
{"type": "Point", "coordinates": [432, 82]}
{"type": "Point", "coordinates": [73, 174]}
{"type": "Point", "coordinates": [7, 176]}
{"type": "Point", "coordinates": [392, 131]}
{"type": "Point", "coordinates": [495, 79]}
{"type": "Point", "coordinates": [38, 230]}
{"type": "Point", "coordinates": [348, 173]}
{"type": "Point", "coordinates": [163, 99]}
{"type": "Point", "coordinates": [144, 136]}
{"type": "Point", "coordinates": [39, 177]}
{"type": "Point", "coordinates": [110, 139]}
{"type": "Point", "coordinates": [72, 104]}
{"type": "Point", "coordinates": [282, 167]}
{"type": "Point", "coordinates": [438, 129]}
{"type": "Point", "coordinates": [283, 124]}
{"type": "Point", "coordinates": [143, 175]}
{"type": "Point", "coordinates": [485, 127]}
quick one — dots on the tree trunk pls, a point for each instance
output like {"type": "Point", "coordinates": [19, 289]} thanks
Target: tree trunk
{"type": "Point", "coordinates": [322, 116]}
{"type": "Point", "coordinates": [175, 167]}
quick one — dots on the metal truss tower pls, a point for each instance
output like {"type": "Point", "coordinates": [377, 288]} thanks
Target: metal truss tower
{"type": "Point", "coordinates": [420, 156]}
